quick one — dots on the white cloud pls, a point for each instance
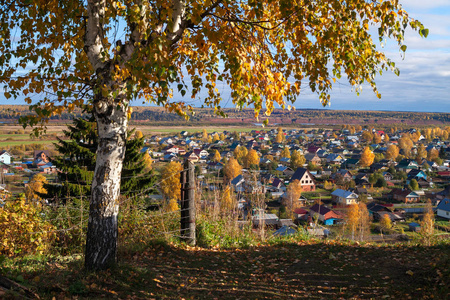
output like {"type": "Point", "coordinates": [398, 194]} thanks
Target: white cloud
{"type": "Point", "coordinates": [422, 4]}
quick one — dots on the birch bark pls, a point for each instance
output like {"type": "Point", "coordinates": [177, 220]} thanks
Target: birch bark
{"type": "Point", "coordinates": [111, 115]}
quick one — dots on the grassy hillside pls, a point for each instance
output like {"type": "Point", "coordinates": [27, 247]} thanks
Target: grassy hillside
{"type": "Point", "coordinates": [294, 270]}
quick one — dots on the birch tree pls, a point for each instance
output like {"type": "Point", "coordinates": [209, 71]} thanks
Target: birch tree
{"type": "Point", "coordinates": [62, 53]}
{"type": "Point", "coordinates": [367, 157]}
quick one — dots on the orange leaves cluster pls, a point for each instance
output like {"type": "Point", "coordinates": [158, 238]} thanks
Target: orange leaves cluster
{"type": "Point", "coordinates": [392, 152]}
{"type": "Point", "coordinates": [36, 187]}
{"type": "Point", "coordinates": [252, 158]}
{"type": "Point", "coordinates": [170, 180]}
{"type": "Point", "coordinates": [357, 220]}
{"type": "Point", "coordinates": [367, 157]}
{"type": "Point", "coordinates": [231, 169]}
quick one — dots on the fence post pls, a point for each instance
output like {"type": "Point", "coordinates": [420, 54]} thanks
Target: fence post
{"type": "Point", "coordinates": [187, 222]}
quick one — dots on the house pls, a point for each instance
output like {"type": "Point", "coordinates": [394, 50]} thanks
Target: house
{"type": "Point", "coordinates": [39, 163]}
{"type": "Point", "coordinates": [166, 141]}
{"type": "Point", "coordinates": [285, 170]}
{"type": "Point", "coordinates": [344, 197]}
{"type": "Point", "coordinates": [4, 168]}
{"type": "Point", "coordinates": [201, 153]}
{"type": "Point", "coordinates": [413, 226]}
{"type": "Point", "coordinates": [423, 183]}
{"type": "Point", "coordinates": [170, 157]}
{"type": "Point", "coordinates": [395, 217]}
{"type": "Point", "coordinates": [237, 184]}
{"type": "Point", "coordinates": [295, 203]}
{"type": "Point", "coordinates": [443, 208]}
{"type": "Point", "coordinates": [146, 149]}
{"type": "Point", "coordinates": [343, 175]}
{"type": "Point", "coordinates": [5, 157]}
{"type": "Point", "coordinates": [313, 158]}
{"type": "Point", "coordinates": [42, 155]}
{"type": "Point", "coordinates": [305, 178]}
{"type": "Point", "coordinates": [406, 165]}
{"type": "Point", "coordinates": [416, 174]}
{"type": "Point", "coordinates": [350, 163]}
{"type": "Point", "coordinates": [191, 156]}
{"type": "Point", "coordinates": [405, 195]}
{"type": "Point", "coordinates": [261, 218]}
{"type": "Point", "coordinates": [377, 167]}
{"type": "Point", "coordinates": [322, 153]}
{"type": "Point", "coordinates": [191, 143]}
{"type": "Point", "coordinates": [278, 185]}
{"type": "Point", "coordinates": [362, 191]}
{"type": "Point", "coordinates": [313, 149]}
{"type": "Point", "coordinates": [156, 154]}
{"type": "Point", "coordinates": [174, 149]}
{"type": "Point", "coordinates": [362, 179]}
{"type": "Point", "coordinates": [443, 194]}
{"type": "Point", "coordinates": [48, 168]}
{"type": "Point", "coordinates": [324, 214]}
{"type": "Point", "coordinates": [300, 213]}
{"type": "Point", "coordinates": [335, 158]}
{"type": "Point", "coordinates": [285, 161]}
{"type": "Point", "coordinates": [353, 138]}
{"type": "Point", "coordinates": [387, 176]}
{"type": "Point", "coordinates": [264, 161]}
{"type": "Point", "coordinates": [285, 230]}
{"type": "Point", "coordinates": [216, 166]}
{"type": "Point", "coordinates": [374, 207]}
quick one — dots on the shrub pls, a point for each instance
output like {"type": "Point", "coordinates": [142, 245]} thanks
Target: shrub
{"type": "Point", "coordinates": [23, 230]}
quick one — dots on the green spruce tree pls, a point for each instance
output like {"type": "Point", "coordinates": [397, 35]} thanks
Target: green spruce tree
{"type": "Point", "coordinates": [76, 164]}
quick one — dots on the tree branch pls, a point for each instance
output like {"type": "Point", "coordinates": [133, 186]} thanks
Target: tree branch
{"type": "Point", "coordinates": [94, 33]}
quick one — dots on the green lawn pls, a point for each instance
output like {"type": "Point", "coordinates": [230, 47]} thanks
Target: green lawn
{"type": "Point", "coordinates": [26, 142]}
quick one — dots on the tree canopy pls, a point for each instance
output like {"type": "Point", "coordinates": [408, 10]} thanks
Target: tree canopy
{"type": "Point", "coordinates": [65, 52]}
{"type": "Point", "coordinates": [149, 48]}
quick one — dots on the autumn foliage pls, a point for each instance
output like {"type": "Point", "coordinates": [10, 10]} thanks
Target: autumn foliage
{"type": "Point", "coordinates": [170, 180]}
{"type": "Point", "coordinates": [36, 187]}
{"type": "Point", "coordinates": [358, 221]}
{"type": "Point", "coordinates": [23, 230]}
{"type": "Point", "coordinates": [367, 157]}
{"type": "Point", "coordinates": [231, 169]}
{"type": "Point", "coordinates": [392, 152]}
{"type": "Point", "coordinates": [252, 158]}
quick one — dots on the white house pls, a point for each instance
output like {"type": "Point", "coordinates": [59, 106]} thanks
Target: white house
{"type": "Point", "coordinates": [5, 157]}
{"type": "Point", "coordinates": [443, 208]}
{"type": "Point", "coordinates": [344, 197]}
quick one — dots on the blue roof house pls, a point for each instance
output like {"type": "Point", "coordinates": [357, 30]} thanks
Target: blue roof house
{"type": "Point", "coordinates": [443, 208]}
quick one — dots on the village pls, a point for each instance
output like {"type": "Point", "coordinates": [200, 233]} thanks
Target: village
{"type": "Point", "coordinates": [286, 179]}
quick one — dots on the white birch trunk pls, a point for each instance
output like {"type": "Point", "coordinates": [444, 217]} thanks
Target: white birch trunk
{"type": "Point", "coordinates": [102, 235]}
{"type": "Point", "coordinates": [111, 115]}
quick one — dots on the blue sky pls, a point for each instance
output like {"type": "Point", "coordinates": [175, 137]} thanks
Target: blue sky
{"type": "Point", "coordinates": [424, 81]}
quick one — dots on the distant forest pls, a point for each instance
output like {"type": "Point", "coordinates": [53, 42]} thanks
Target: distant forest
{"type": "Point", "coordinates": [205, 116]}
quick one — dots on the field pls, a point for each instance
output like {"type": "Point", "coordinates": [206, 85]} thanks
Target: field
{"type": "Point", "coordinates": [10, 136]}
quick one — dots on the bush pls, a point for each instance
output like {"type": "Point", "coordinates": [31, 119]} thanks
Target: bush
{"type": "Point", "coordinates": [23, 230]}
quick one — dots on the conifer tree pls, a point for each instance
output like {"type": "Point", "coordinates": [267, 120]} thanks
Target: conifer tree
{"type": "Point", "coordinates": [77, 162]}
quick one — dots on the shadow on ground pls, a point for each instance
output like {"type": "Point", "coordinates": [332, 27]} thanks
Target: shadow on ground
{"type": "Point", "coordinates": [318, 270]}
